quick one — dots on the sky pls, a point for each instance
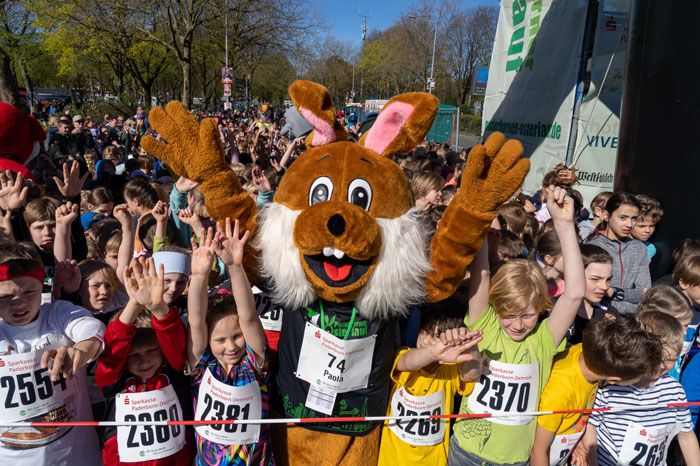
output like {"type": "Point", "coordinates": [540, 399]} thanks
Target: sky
{"type": "Point", "coordinates": [345, 22]}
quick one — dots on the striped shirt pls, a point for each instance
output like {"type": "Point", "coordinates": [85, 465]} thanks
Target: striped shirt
{"type": "Point", "coordinates": [612, 427]}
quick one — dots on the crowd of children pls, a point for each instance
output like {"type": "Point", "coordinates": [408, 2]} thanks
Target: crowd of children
{"type": "Point", "coordinates": [122, 300]}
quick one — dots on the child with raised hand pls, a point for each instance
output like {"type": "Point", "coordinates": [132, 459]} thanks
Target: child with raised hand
{"type": "Point", "coordinates": [616, 350]}
{"type": "Point", "coordinates": [642, 436]}
{"type": "Point", "coordinates": [143, 360]}
{"type": "Point", "coordinates": [517, 349]}
{"type": "Point", "coordinates": [126, 245]}
{"type": "Point", "coordinates": [425, 380]}
{"type": "Point", "coordinates": [630, 262]}
{"type": "Point", "coordinates": [40, 345]}
{"type": "Point", "coordinates": [226, 356]}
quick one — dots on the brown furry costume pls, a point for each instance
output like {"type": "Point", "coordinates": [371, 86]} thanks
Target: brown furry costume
{"type": "Point", "coordinates": [350, 201]}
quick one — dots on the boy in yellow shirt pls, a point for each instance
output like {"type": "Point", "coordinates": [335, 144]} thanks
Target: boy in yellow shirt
{"type": "Point", "coordinates": [617, 350]}
{"type": "Point", "coordinates": [426, 379]}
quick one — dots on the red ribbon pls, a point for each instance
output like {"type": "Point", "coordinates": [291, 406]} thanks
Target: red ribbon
{"type": "Point", "coordinates": [5, 273]}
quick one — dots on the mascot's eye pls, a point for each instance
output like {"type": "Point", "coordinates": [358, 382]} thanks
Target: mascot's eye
{"type": "Point", "coordinates": [360, 193]}
{"type": "Point", "coordinates": [321, 190]}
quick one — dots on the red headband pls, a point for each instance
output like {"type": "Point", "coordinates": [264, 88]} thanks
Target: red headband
{"type": "Point", "coordinates": [5, 274]}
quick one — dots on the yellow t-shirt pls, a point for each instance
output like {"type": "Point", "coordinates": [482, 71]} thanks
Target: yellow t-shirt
{"type": "Point", "coordinates": [394, 451]}
{"type": "Point", "coordinates": [566, 389]}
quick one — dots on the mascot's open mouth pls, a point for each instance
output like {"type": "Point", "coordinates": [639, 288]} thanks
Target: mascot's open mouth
{"type": "Point", "coordinates": [335, 268]}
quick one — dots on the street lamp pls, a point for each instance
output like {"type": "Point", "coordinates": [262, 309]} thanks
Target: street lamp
{"type": "Point", "coordinates": [431, 79]}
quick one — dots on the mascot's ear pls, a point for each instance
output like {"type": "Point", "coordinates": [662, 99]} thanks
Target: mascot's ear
{"type": "Point", "coordinates": [402, 124]}
{"type": "Point", "coordinates": [314, 103]}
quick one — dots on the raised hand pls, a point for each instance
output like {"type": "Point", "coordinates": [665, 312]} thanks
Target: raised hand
{"type": "Point", "coordinates": [184, 185]}
{"type": "Point", "coordinates": [275, 164]}
{"type": "Point", "coordinates": [229, 246]}
{"type": "Point", "coordinates": [121, 213]}
{"type": "Point", "coordinates": [203, 253]}
{"type": "Point", "coordinates": [161, 212]}
{"type": "Point", "coordinates": [455, 345]}
{"type": "Point", "coordinates": [13, 193]}
{"type": "Point", "coordinates": [145, 286]}
{"type": "Point", "coordinates": [495, 170]}
{"type": "Point", "coordinates": [260, 180]}
{"type": "Point", "coordinates": [72, 182]}
{"type": "Point", "coordinates": [188, 217]}
{"type": "Point", "coordinates": [193, 150]}
{"type": "Point", "coordinates": [66, 278]}
{"type": "Point", "coordinates": [66, 214]}
{"type": "Point", "coordinates": [560, 205]}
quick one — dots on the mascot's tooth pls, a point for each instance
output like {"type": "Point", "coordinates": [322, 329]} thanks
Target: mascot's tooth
{"type": "Point", "coordinates": [338, 253]}
{"type": "Point", "coordinates": [328, 251]}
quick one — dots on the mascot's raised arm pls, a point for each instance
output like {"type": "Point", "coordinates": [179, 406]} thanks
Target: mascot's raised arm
{"type": "Point", "coordinates": [344, 252]}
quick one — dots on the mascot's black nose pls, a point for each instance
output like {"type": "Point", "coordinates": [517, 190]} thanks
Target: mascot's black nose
{"type": "Point", "coordinates": [336, 225]}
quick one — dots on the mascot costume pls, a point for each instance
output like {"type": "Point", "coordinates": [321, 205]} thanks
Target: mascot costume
{"type": "Point", "coordinates": [342, 249]}
{"type": "Point", "coordinates": [20, 139]}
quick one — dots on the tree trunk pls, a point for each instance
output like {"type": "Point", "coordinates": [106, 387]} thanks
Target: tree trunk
{"type": "Point", "coordinates": [9, 89]}
{"type": "Point", "coordinates": [186, 83]}
{"type": "Point", "coordinates": [27, 84]}
{"type": "Point", "coordinates": [147, 95]}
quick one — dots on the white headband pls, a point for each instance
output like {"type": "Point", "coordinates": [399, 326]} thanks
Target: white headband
{"type": "Point", "coordinates": [173, 262]}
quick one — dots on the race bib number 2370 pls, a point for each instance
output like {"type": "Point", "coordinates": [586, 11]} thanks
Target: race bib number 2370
{"type": "Point", "coordinates": [506, 388]}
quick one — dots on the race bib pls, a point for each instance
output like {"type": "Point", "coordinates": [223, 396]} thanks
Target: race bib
{"type": "Point", "coordinates": [418, 432]}
{"type": "Point", "coordinates": [26, 390]}
{"type": "Point", "coordinates": [270, 314]}
{"type": "Point", "coordinates": [505, 388]}
{"type": "Point", "coordinates": [146, 443]}
{"type": "Point", "coordinates": [561, 448]}
{"type": "Point", "coordinates": [646, 447]}
{"type": "Point", "coordinates": [218, 401]}
{"type": "Point", "coordinates": [330, 363]}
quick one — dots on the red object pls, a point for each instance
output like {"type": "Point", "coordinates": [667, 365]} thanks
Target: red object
{"type": "Point", "coordinates": [5, 274]}
{"type": "Point", "coordinates": [170, 332]}
{"type": "Point", "coordinates": [7, 164]}
{"type": "Point", "coordinates": [18, 133]}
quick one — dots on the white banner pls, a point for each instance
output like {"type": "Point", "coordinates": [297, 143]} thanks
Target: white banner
{"type": "Point", "coordinates": [599, 117]}
{"type": "Point", "coordinates": [532, 78]}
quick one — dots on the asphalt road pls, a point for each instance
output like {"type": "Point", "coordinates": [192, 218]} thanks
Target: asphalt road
{"type": "Point", "coordinates": [468, 140]}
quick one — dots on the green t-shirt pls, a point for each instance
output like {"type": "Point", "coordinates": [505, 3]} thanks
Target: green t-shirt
{"type": "Point", "coordinates": [499, 443]}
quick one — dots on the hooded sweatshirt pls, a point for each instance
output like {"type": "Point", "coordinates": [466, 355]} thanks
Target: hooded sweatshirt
{"type": "Point", "coordinates": [630, 269]}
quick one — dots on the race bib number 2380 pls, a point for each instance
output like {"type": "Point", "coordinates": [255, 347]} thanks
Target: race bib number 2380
{"type": "Point", "coordinates": [27, 391]}
{"type": "Point", "coordinates": [149, 442]}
